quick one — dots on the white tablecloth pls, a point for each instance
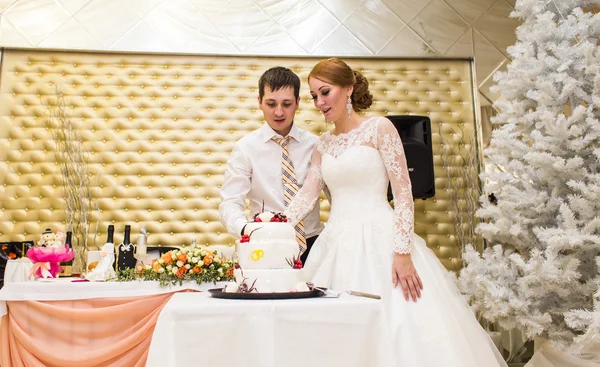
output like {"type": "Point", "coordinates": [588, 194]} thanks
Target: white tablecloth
{"type": "Point", "coordinates": [65, 289]}
{"type": "Point", "coordinates": [194, 329]}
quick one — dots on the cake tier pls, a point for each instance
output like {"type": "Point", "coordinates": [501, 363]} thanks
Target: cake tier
{"type": "Point", "coordinates": [266, 254]}
{"type": "Point", "coordinates": [270, 231]}
{"type": "Point", "coordinates": [270, 281]}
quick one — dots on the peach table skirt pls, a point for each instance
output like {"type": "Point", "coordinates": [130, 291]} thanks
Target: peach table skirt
{"type": "Point", "coordinates": [85, 332]}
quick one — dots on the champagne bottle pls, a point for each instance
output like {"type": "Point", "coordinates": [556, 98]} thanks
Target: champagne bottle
{"type": "Point", "coordinates": [67, 266]}
{"type": "Point", "coordinates": [110, 242]}
{"type": "Point", "coordinates": [126, 259]}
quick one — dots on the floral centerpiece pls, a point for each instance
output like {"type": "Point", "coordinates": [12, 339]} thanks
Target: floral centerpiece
{"type": "Point", "coordinates": [188, 263]}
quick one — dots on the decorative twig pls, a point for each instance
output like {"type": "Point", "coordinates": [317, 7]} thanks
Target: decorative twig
{"type": "Point", "coordinates": [71, 158]}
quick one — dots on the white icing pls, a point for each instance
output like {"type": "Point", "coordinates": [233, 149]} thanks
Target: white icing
{"type": "Point", "coordinates": [271, 280]}
{"type": "Point", "coordinates": [302, 287]}
{"type": "Point", "coordinates": [265, 258]}
{"type": "Point", "coordinates": [270, 231]}
{"type": "Point", "coordinates": [271, 245]}
{"type": "Point", "coordinates": [266, 216]}
{"type": "Point", "coordinates": [266, 255]}
{"type": "Point", "coordinates": [231, 287]}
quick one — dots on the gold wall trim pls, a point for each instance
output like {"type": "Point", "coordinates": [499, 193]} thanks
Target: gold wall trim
{"type": "Point", "coordinates": [159, 130]}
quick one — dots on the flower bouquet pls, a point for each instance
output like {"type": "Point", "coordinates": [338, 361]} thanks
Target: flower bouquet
{"type": "Point", "coordinates": [46, 260]}
{"type": "Point", "coordinates": [188, 263]}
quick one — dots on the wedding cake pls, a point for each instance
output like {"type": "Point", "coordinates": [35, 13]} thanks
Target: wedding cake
{"type": "Point", "coordinates": [268, 257]}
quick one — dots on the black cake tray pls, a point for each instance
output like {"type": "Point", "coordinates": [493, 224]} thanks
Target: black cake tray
{"type": "Point", "coordinates": [220, 293]}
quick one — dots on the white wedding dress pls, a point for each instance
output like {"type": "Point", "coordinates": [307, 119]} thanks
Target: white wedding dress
{"type": "Point", "coordinates": [355, 250]}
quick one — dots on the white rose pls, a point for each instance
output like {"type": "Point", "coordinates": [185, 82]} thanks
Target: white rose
{"type": "Point", "coordinates": [174, 270]}
{"type": "Point", "coordinates": [179, 263]}
{"type": "Point", "coordinates": [217, 259]}
{"type": "Point", "coordinates": [266, 216]}
{"type": "Point", "coordinates": [161, 261]}
{"type": "Point", "coordinates": [169, 267]}
{"type": "Point", "coordinates": [148, 267]}
{"type": "Point", "coordinates": [220, 271]}
{"type": "Point", "coordinates": [196, 252]}
{"type": "Point", "coordinates": [195, 259]}
{"type": "Point", "coordinates": [161, 270]}
{"type": "Point", "coordinates": [187, 266]}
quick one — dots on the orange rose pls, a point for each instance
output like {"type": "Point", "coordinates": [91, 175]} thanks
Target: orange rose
{"type": "Point", "coordinates": [208, 260]}
{"type": "Point", "coordinates": [197, 269]}
{"type": "Point", "coordinates": [181, 272]}
{"type": "Point", "coordinates": [168, 258]}
{"type": "Point", "coordinates": [12, 255]}
{"type": "Point", "coordinates": [4, 247]}
{"type": "Point", "coordinates": [156, 266]}
{"type": "Point", "coordinates": [182, 258]}
{"type": "Point", "coordinates": [229, 272]}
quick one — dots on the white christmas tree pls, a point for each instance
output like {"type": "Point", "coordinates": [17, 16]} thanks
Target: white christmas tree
{"type": "Point", "coordinates": [540, 209]}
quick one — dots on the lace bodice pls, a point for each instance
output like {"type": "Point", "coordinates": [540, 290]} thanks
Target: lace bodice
{"type": "Point", "coordinates": [356, 167]}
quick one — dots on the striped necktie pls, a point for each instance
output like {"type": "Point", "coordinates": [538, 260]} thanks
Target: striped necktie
{"type": "Point", "coordinates": [290, 186]}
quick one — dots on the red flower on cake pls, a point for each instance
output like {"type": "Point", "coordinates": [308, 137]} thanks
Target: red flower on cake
{"type": "Point", "coordinates": [246, 237]}
{"type": "Point", "coordinates": [295, 262]}
{"type": "Point", "coordinates": [274, 217]}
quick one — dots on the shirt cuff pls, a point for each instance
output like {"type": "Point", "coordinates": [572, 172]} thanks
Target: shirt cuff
{"type": "Point", "coordinates": [238, 226]}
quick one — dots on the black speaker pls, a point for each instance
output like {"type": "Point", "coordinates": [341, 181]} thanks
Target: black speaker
{"type": "Point", "coordinates": [415, 133]}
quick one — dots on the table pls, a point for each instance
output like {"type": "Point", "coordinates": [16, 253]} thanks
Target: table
{"type": "Point", "coordinates": [195, 329]}
{"type": "Point", "coordinates": [60, 323]}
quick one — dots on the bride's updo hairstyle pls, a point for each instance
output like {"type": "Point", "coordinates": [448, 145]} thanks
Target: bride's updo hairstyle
{"type": "Point", "coordinates": [337, 72]}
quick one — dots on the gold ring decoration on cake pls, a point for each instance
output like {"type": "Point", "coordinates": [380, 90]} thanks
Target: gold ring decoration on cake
{"type": "Point", "coordinates": [257, 255]}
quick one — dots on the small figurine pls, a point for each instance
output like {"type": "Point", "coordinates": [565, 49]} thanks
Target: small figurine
{"type": "Point", "coordinates": [105, 267]}
{"type": "Point", "coordinates": [50, 239]}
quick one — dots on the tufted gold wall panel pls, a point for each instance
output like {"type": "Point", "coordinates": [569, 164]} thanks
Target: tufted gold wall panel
{"type": "Point", "coordinates": [159, 130]}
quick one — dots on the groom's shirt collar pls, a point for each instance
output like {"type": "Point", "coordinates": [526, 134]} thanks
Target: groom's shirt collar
{"type": "Point", "coordinates": [268, 133]}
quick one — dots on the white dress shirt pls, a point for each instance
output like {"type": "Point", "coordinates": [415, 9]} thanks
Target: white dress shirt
{"type": "Point", "coordinates": [254, 172]}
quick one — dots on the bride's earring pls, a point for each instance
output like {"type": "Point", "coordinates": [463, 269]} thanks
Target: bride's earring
{"type": "Point", "coordinates": [349, 106]}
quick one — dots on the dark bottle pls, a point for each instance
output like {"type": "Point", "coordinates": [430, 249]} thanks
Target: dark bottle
{"type": "Point", "coordinates": [126, 258]}
{"type": "Point", "coordinates": [110, 240]}
{"type": "Point", "coordinates": [67, 266]}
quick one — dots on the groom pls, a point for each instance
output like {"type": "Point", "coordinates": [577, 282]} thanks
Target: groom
{"type": "Point", "coordinates": [260, 159]}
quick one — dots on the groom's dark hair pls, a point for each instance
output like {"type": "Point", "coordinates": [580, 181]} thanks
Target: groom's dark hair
{"type": "Point", "coordinates": [277, 78]}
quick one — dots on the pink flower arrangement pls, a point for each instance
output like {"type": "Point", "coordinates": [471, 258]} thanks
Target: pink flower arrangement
{"type": "Point", "coordinates": [46, 260]}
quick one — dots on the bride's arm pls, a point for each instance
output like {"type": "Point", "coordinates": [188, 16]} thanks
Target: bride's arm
{"type": "Point", "coordinates": [308, 195]}
{"type": "Point", "coordinates": [392, 152]}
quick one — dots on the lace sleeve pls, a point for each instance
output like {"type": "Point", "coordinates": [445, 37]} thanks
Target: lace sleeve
{"type": "Point", "coordinates": [392, 152]}
{"type": "Point", "coordinates": [307, 197]}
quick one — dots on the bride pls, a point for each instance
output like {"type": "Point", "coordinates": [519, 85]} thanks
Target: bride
{"type": "Point", "coordinates": [368, 246]}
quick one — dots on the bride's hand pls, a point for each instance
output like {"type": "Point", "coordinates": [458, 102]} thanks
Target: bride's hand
{"type": "Point", "coordinates": [404, 272]}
